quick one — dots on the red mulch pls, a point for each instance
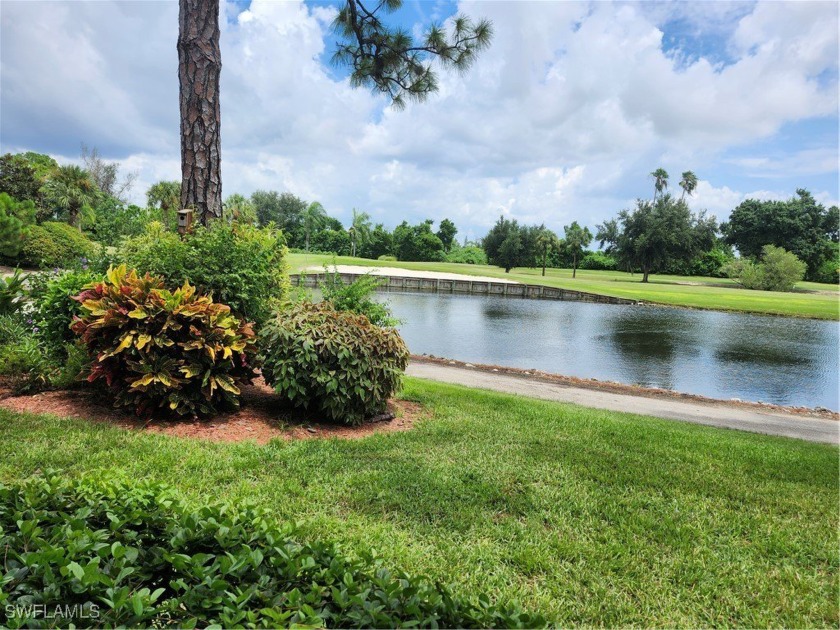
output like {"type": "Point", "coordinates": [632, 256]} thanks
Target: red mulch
{"type": "Point", "coordinates": [263, 416]}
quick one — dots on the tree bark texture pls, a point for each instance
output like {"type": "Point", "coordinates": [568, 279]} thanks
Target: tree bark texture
{"type": "Point", "coordinates": [199, 67]}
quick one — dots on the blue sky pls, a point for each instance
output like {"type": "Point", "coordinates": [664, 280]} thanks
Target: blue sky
{"type": "Point", "coordinates": [562, 119]}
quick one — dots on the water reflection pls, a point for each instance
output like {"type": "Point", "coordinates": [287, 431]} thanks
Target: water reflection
{"type": "Point", "coordinates": [723, 355]}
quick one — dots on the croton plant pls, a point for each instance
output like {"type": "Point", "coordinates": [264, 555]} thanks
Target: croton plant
{"type": "Point", "coordinates": [163, 350]}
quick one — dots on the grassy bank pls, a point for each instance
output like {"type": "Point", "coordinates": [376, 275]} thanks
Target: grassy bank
{"type": "Point", "coordinates": [820, 301]}
{"type": "Point", "coordinates": [592, 517]}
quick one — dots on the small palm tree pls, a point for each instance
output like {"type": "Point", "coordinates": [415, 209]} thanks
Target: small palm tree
{"type": "Point", "coordinates": [313, 218]}
{"type": "Point", "coordinates": [359, 229]}
{"type": "Point", "coordinates": [546, 241]}
{"type": "Point", "coordinates": [688, 183]}
{"type": "Point", "coordinates": [167, 197]}
{"type": "Point", "coordinates": [71, 189]}
{"type": "Point", "coordinates": [660, 181]}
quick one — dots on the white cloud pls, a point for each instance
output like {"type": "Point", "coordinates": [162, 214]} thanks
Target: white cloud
{"type": "Point", "coordinates": [561, 119]}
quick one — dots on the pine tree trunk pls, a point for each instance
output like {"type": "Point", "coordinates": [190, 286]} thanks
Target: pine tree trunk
{"type": "Point", "coordinates": [199, 66]}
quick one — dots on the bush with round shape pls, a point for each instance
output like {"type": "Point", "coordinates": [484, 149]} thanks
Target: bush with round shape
{"type": "Point", "coordinates": [55, 306]}
{"type": "Point", "coordinates": [239, 265]}
{"type": "Point", "coordinates": [163, 350]}
{"type": "Point", "coordinates": [54, 244]}
{"type": "Point", "coordinates": [134, 555]}
{"type": "Point", "coordinates": [333, 362]}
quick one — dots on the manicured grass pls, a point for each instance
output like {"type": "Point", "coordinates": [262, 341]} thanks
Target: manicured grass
{"type": "Point", "coordinates": [820, 301]}
{"type": "Point", "coordinates": [591, 517]}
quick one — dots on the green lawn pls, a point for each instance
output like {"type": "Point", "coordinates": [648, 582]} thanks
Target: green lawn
{"type": "Point", "coordinates": [593, 518]}
{"type": "Point", "coordinates": [821, 301]}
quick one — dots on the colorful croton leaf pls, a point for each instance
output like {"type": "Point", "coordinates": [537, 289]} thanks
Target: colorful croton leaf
{"type": "Point", "coordinates": [158, 349]}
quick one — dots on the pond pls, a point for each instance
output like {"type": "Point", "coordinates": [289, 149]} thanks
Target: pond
{"type": "Point", "coordinates": [721, 355]}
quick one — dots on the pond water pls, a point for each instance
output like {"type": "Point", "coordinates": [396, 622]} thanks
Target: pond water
{"type": "Point", "coordinates": [722, 355]}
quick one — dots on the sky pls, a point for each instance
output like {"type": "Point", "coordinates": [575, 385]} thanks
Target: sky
{"type": "Point", "coordinates": [562, 119]}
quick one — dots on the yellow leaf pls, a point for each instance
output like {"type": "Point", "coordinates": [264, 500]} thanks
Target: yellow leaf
{"type": "Point", "coordinates": [147, 379]}
{"type": "Point", "coordinates": [226, 354]}
{"type": "Point", "coordinates": [142, 340]}
{"type": "Point", "coordinates": [138, 313]}
{"type": "Point", "coordinates": [125, 343]}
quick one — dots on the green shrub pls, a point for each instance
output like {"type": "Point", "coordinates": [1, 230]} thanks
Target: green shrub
{"type": "Point", "coordinates": [16, 217]}
{"type": "Point", "coordinates": [12, 292]}
{"type": "Point", "coordinates": [22, 357]}
{"type": "Point", "coordinates": [470, 255]}
{"type": "Point", "coordinates": [55, 306]}
{"type": "Point", "coordinates": [387, 258]}
{"type": "Point", "coordinates": [337, 363]}
{"type": "Point", "coordinates": [829, 271]}
{"type": "Point", "coordinates": [778, 270]}
{"type": "Point", "coordinates": [132, 555]}
{"type": "Point", "coordinates": [163, 350]}
{"type": "Point", "coordinates": [239, 265]}
{"type": "Point", "coordinates": [356, 297]}
{"type": "Point", "coordinates": [598, 261]}
{"type": "Point", "coordinates": [54, 244]}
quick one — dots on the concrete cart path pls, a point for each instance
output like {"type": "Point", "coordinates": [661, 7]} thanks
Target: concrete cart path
{"type": "Point", "coordinates": [716, 414]}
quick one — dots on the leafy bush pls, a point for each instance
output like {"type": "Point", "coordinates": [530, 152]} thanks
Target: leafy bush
{"type": "Point", "coordinates": [829, 271]}
{"type": "Point", "coordinates": [470, 255]}
{"type": "Point", "coordinates": [22, 358]}
{"type": "Point", "coordinates": [54, 244]}
{"type": "Point", "coordinates": [239, 265]}
{"type": "Point", "coordinates": [387, 258]}
{"type": "Point", "coordinates": [778, 270]}
{"type": "Point", "coordinates": [114, 554]}
{"type": "Point", "coordinates": [55, 306]}
{"type": "Point", "coordinates": [598, 261]}
{"type": "Point", "coordinates": [12, 292]}
{"type": "Point", "coordinates": [335, 362]}
{"type": "Point", "coordinates": [16, 217]}
{"type": "Point", "coordinates": [356, 297]}
{"type": "Point", "coordinates": [159, 349]}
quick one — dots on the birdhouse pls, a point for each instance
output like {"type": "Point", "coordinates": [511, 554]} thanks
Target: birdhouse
{"type": "Point", "coordinates": [185, 219]}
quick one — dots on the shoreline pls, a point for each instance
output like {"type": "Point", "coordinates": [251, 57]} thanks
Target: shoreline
{"type": "Point", "coordinates": [622, 388]}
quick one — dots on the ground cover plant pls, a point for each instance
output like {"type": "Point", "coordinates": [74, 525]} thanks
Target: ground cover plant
{"type": "Point", "coordinates": [127, 554]}
{"type": "Point", "coordinates": [588, 517]}
{"type": "Point", "coordinates": [163, 350]}
{"type": "Point", "coordinates": [335, 362]}
{"type": "Point", "coordinates": [809, 299]}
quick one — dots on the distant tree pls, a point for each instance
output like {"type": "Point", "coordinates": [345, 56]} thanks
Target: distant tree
{"type": "Point", "coordinates": [72, 190]}
{"type": "Point", "coordinates": [165, 196]}
{"type": "Point", "coordinates": [383, 58]}
{"type": "Point", "coordinates": [546, 242]}
{"type": "Point", "coordinates": [688, 183]}
{"type": "Point", "coordinates": [577, 239]}
{"type": "Point", "coordinates": [18, 178]}
{"type": "Point", "coordinates": [799, 225]}
{"type": "Point", "coordinates": [106, 174]}
{"type": "Point", "coordinates": [239, 209]}
{"type": "Point", "coordinates": [417, 242]}
{"type": "Point", "coordinates": [334, 241]}
{"type": "Point", "coordinates": [284, 210]}
{"type": "Point", "coordinates": [313, 219]}
{"type": "Point", "coordinates": [656, 234]}
{"type": "Point", "coordinates": [380, 243]}
{"type": "Point", "coordinates": [446, 233]}
{"type": "Point", "coordinates": [359, 229]}
{"type": "Point", "coordinates": [660, 181]}
{"type": "Point", "coordinates": [503, 244]}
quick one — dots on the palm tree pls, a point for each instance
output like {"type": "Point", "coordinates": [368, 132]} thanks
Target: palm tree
{"type": "Point", "coordinates": [239, 209]}
{"type": "Point", "coordinates": [72, 189]}
{"type": "Point", "coordinates": [167, 197]}
{"type": "Point", "coordinates": [546, 241]}
{"type": "Point", "coordinates": [660, 181]}
{"type": "Point", "coordinates": [359, 229]}
{"type": "Point", "coordinates": [313, 217]}
{"type": "Point", "coordinates": [688, 183]}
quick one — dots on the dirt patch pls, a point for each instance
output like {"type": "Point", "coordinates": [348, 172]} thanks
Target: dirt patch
{"type": "Point", "coordinates": [261, 418]}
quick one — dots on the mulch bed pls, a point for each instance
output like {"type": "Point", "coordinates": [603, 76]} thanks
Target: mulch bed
{"type": "Point", "coordinates": [261, 418]}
